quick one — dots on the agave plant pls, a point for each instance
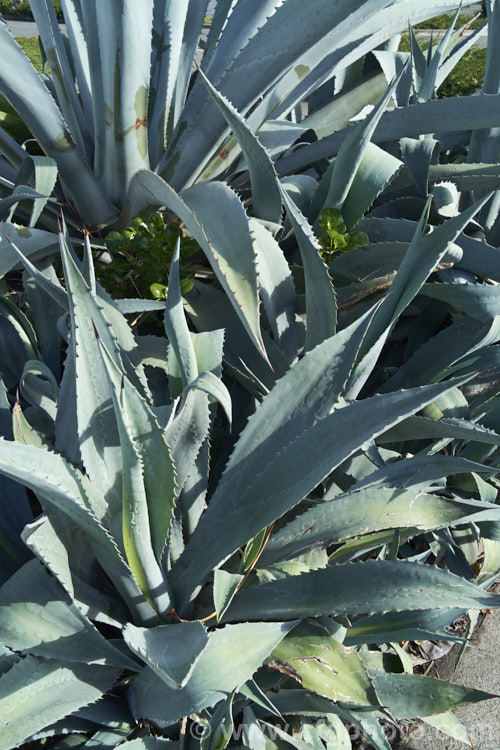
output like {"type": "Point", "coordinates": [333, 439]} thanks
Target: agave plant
{"type": "Point", "coordinates": [182, 565]}
{"type": "Point", "coordinates": [233, 586]}
{"type": "Point", "coordinates": [98, 129]}
{"type": "Point", "coordinates": [172, 124]}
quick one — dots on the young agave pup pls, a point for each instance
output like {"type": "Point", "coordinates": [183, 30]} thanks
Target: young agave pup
{"type": "Point", "coordinates": [249, 584]}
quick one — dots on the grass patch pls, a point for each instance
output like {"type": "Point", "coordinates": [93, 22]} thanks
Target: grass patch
{"type": "Point", "coordinates": [32, 50]}
{"type": "Point", "coordinates": [444, 21]}
{"type": "Point", "coordinates": [466, 76]}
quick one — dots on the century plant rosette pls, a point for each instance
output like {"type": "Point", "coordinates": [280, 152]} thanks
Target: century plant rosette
{"type": "Point", "coordinates": [230, 526]}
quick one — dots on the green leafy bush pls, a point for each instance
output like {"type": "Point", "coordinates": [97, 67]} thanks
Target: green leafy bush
{"type": "Point", "coordinates": [336, 238]}
{"type": "Point", "coordinates": [22, 9]}
{"type": "Point", "coordinates": [141, 257]}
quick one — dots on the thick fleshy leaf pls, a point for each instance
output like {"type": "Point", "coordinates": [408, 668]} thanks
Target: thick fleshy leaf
{"type": "Point", "coordinates": [97, 429]}
{"type": "Point", "coordinates": [148, 487]}
{"type": "Point", "coordinates": [227, 245]}
{"type": "Point", "coordinates": [437, 116]}
{"type": "Point", "coordinates": [477, 300]}
{"type": "Point", "coordinates": [209, 383]}
{"type": "Point", "coordinates": [424, 253]}
{"type": "Point", "coordinates": [64, 550]}
{"type": "Point", "coordinates": [405, 626]}
{"type": "Point", "coordinates": [257, 483]}
{"type": "Point", "coordinates": [445, 349]}
{"type": "Point", "coordinates": [229, 659]}
{"type": "Point", "coordinates": [171, 651]}
{"type": "Point", "coordinates": [410, 695]}
{"type": "Point", "coordinates": [35, 693]}
{"type": "Point", "coordinates": [369, 510]}
{"type": "Point", "coordinates": [176, 326]}
{"type": "Point", "coordinates": [449, 724]}
{"type": "Point", "coordinates": [420, 428]}
{"type": "Point", "coordinates": [323, 665]}
{"type": "Point", "coordinates": [225, 587]}
{"type": "Point", "coordinates": [350, 156]}
{"type": "Point", "coordinates": [36, 617]}
{"type": "Point", "coordinates": [417, 155]}
{"type": "Point", "coordinates": [266, 197]}
{"type": "Point", "coordinates": [360, 588]}
{"type": "Point", "coordinates": [375, 171]}
{"type": "Point", "coordinates": [58, 483]}
{"type": "Point", "coordinates": [37, 107]}
{"type": "Point", "coordinates": [276, 288]}
{"type": "Point", "coordinates": [321, 303]}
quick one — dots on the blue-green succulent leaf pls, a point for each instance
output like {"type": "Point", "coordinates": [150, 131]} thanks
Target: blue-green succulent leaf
{"type": "Point", "coordinates": [375, 586]}
{"type": "Point", "coordinates": [36, 693]}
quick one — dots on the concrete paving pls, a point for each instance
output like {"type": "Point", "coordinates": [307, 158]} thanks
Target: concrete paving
{"type": "Point", "coordinates": [480, 669]}
{"type": "Point", "coordinates": [27, 28]}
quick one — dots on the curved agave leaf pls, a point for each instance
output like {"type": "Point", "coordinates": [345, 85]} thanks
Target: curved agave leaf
{"type": "Point", "coordinates": [39, 387]}
{"type": "Point", "coordinates": [228, 246]}
{"type": "Point", "coordinates": [350, 156]}
{"type": "Point", "coordinates": [276, 288]}
{"type": "Point", "coordinates": [449, 724]}
{"type": "Point", "coordinates": [375, 586]}
{"type": "Point", "coordinates": [57, 482]}
{"type": "Point", "coordinates": [437, 116]}
{"type": "Point", "coordinates": [303, 459]}
{"type": "Point", "coordinates": [44, 173]}
{"type": "Point", "coordinates": [36, 693]}
{"type": "Point", "coordinates": [317, 660]}
{"type": "Point", "coordinates": [37, 618]}
{"type": "Point", "coordinates": [171, 651]}
{"type": "Point", "coordinates": [321, 302]}
{"type": "Point", "coordinates": [424, 252]}
{"type": "Point", "coordinates": [419, 428]}
{"type": "Point", "coordinates": [266, 198]}
{"type": "Point", "coordinates": [209, 383]}
{"type": "Point", "coordinates": [97, 428]}
{"type": "Point", "coordinates": [364, 511]}
{"type": "Point", "coordinates": [446, 350]}
{"type": "Point", "coordinates": [63, 549]}
{"type": "Point", "coordinates": [375, 171]}
{"type": "Point", "coordinates": [410, 695]}
{"type": "Point", "coordinates": [148, 487]}
{"type": "Point", "coordinates": [38, 109]}
{"type": "Point", "coordinates": [309, 390]}
{"type": "Point", "coordinates": [175, 324]}
{"type": "Point", "coordinates": [210, 309]}
{"type": "Point", "coordinates": [477, 300]}
{"type": "Point", "coordinates": [229, 659]}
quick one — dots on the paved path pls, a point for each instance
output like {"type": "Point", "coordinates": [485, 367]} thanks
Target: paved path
{"type": "Point", "coordinates": [26, 28]}
{"type": "Point", "coordinates": [479, 668]}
